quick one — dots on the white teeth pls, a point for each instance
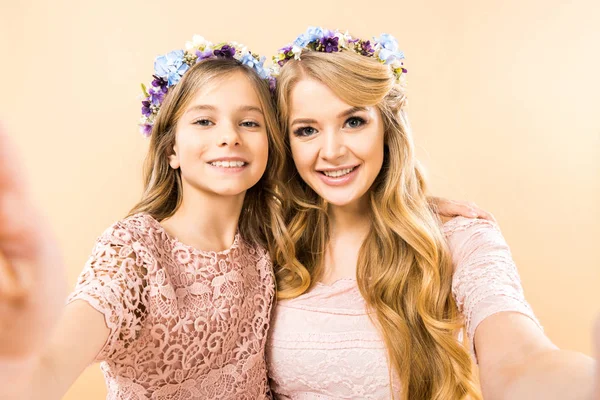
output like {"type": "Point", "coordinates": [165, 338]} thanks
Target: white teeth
{"type": "Point", "coordinates": [228, 164]}
{"type": "Point", "coordinates": [338, 173]}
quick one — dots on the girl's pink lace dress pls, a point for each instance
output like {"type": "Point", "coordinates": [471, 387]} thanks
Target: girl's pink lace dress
{"type": "Point", "coordinates": [185, 323]}
{"type": "Point", "coordinates": [322, 345]}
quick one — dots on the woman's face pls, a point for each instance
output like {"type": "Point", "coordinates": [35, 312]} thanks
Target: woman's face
{"type": "Point", "coordinates": [221, 143]}
{"type": "Point", "coordinates": [337, 148]}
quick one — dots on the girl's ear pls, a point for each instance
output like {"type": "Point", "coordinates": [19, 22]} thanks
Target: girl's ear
{"type": "Point", "coordinates": [174, 159]}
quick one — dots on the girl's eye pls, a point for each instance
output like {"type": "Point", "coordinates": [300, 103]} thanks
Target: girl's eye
{"type": "Point", "coordinates": [354, 122]}
{"type": "Point", "coordinates": [305, 131]}
{"type": "Point", "coordinates": [250, 124]}
{"type": "Point", "coordinates": [203, 122]}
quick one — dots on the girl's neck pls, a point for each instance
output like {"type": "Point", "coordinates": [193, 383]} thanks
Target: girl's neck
{"type": "Point", "coordinates": [204, 220]}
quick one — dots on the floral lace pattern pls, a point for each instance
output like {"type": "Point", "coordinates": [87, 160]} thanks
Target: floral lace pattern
{"type": "Point", "coordinates": [184, 323]}
{"type": "Point", "coordinates": [323, 345]}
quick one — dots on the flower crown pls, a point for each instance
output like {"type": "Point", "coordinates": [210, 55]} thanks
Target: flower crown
{"type": "Point", "coordinates": [169, 68]}
{"type": "Point", "coordinates": [384, 48]}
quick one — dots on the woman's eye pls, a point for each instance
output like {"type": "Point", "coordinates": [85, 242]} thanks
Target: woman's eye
{"type": "Point", "coordinates": [305, 131]}
{"type": "Point", "coordinates": [250, 124]}
{"type": "Point", "coordinates": [355, 122]}
{"type": "Point", "coordinates": [203, 122]}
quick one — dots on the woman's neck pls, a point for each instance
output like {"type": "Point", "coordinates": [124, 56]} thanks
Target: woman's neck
{"type": "Point", "coordinates": [204, 220]}
{"type": "Point", "coordinates": [349, 226]}
{"type": "Point", "coordinates": [349, 220]}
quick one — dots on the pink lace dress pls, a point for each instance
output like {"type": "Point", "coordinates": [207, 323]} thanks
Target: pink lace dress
{"type": "Point", "coordinates": [184, 323]}
{"type": "Point", "coordinates": [322, 345]}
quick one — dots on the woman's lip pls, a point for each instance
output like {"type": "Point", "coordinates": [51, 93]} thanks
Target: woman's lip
{"type": "Point", "coordinates": [339, 181]}
{"type": "Point", "coordinates": [336, 168]}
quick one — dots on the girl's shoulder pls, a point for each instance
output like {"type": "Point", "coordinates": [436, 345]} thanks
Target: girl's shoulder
{"type": "Point", "coordinates": [132, 229]}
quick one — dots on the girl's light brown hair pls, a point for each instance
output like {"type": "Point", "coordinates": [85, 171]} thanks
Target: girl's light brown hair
{"type": "Point", "coordinates": [260, 220]}
{"type": "Point", "coordinates": [404, 270]}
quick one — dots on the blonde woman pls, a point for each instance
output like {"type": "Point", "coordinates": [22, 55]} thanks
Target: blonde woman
{"type": "Point", "coordinates": [372, 304]}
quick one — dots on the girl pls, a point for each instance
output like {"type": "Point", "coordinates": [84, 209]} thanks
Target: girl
{"type": "Point", "coordinates": [175, 298]}
{"type": "Point", "coordinates": [369, 309]}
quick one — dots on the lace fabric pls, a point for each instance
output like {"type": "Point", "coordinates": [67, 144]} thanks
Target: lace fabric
{"type": "Point", "coordinates": [323, 345]}
{"type": "Point", "coordinates": [184, 323]}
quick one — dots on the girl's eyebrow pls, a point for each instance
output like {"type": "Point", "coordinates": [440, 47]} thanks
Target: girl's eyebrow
{"type": "Point", "coordinates": [203, 107]}
{"type": "Point", "coordinates": [251, 108]}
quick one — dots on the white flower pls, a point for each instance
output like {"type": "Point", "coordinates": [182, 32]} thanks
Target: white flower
{"type": "Point", "coordinates": [343, 38]}
{"type": "Point", "coordinates": [197, 42]}
{"type": "Point", "coordinates": [297, 50]}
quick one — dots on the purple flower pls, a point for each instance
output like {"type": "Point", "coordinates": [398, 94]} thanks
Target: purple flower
{"type": "Point", "coordinates": [203, 55]}
{"type": "Point", "coordinates": [157, 95]}
{"type": "Point", "coordinates": [226, 51]}
{"type": "Point", "coordinates": [286, 50]}
{"type": "Point", "coordinates": [146, 129]}
{"type": "Point", "coordinates": [366, 49]}
{"type": "Point", "coordinates": [146, 111]}
{"type": "Point", "coordinates": [330, 44]}
{"type": "Point", "coordinates": [272, 84]}
{"type": "Point", "coordinates": [159, 82]}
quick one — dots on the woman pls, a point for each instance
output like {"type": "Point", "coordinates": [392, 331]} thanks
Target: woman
{"type": "Point", "coordinates": [373, 301]}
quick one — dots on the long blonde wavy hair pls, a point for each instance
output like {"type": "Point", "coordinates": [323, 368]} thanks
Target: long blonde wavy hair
{"type": "Point", "coordinates": [404, 270]}
{"type": "Point", "coordinates": [261, 218]}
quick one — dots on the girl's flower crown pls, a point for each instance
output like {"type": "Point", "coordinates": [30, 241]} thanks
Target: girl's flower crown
{"type": "Point", "coordinates": [384, 48]}
{"type": "Point", "coordinates": [169, 68]}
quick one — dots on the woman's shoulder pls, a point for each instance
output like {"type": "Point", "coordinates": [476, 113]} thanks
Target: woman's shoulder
{"type": "Point", "coordinates": [462, 225]}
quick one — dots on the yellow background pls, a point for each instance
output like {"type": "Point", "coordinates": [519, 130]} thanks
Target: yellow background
{"type": "Point", "coordinates": [504, 102]}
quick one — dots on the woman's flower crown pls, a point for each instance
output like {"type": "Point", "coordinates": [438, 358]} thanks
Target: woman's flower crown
{"type": "Point", "coordinates": [169, 68]}
{"type": "Point", "coordinates": [384, 48]}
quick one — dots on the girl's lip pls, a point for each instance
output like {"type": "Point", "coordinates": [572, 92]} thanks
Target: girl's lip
{"type": "Point", "coordinates": [228, 159]}
{"type": "Point", "coordinates": [341, 180]}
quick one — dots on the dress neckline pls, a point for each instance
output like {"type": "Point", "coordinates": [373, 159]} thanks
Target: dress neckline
{"type": "Point", "coordinates": [192, 249]}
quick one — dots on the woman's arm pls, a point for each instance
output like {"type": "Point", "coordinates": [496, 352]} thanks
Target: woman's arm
{"type": "Point", "coordinates": [517, 361]}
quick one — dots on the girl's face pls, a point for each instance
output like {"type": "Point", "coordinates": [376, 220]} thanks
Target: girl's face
{"type": "Point", "coordinates": [337, 148]}
{"type": "Point", "coordinates": [221, 143]}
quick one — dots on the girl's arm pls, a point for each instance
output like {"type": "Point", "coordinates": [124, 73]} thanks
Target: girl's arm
{"type": "Point", "coordinates": [78, 338]}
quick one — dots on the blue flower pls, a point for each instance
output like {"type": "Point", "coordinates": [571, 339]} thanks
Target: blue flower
{"type": "Point", "coordinates": [257, 65]}
{"type": "Point", "coordinates": [171, 66]}
{"type": "Point", "coordinates": [314, 33]}
{"type": "Point", "coordinates": [388, 42]}
{"type": "Point", "coordinates": [302, 40]}
{"type": "Point", "coordinates": [389, 51]}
